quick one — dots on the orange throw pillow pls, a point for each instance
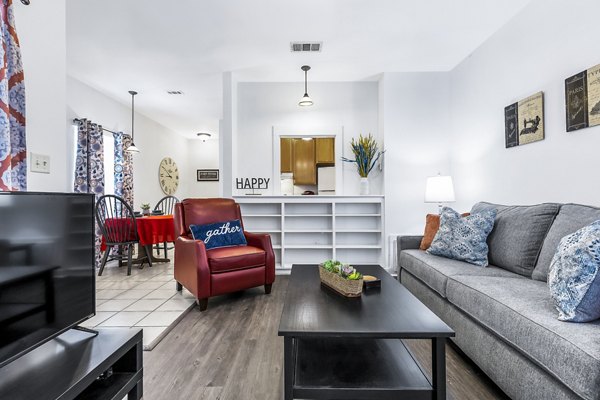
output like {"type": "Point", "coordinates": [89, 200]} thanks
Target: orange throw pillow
{"type": "Point", "coordinates": [432, 224]}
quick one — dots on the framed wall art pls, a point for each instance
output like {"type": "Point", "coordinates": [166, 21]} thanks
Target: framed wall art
{"type": "Point", "coordinates": [524, 121]}
{"type": "Point", "coordinates": [207, 175]}
{"type": "Point", "coordinates": [582, 99]}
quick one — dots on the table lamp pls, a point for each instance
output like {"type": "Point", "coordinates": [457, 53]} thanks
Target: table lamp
{"type": "Point", "coordinates": [439, 189]}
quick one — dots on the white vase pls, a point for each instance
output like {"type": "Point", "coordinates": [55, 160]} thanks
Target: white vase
{"type": "Point", "coordinates": [364, 186]}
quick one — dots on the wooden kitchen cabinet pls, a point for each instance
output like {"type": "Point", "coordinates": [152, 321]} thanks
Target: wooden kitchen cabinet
{"type": "Point", "coordinates": [325, 151]}
{"type": "Point", "coordinates": [305, 168]}
{"type": "Point", "coordinates": [287, 148]}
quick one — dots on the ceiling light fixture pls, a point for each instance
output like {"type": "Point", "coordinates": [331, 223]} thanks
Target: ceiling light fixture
{"type": "Point", "coordinates": [132, 148]}
{"type": "Point", "coordinates": [204, 136]}
{"type": "Point", "coordinates": [306, 101]}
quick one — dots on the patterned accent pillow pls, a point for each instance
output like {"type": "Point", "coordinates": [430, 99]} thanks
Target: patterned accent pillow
{"type": "Point", "coordinates": [574, 277]}
{"type": "Point", "coordinates": [432, 224]}
{"type": "Point", "coordinates": [463, 239]}
{"type": "Point", "coordinates": [220, 234]}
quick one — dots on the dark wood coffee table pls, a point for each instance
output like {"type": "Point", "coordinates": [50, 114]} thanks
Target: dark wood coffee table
{"type": "Point", "coordinates": [349, 348]}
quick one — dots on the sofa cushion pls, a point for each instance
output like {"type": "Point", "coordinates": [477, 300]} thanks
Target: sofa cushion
{"type": "Point", "coordinates": [574, 277]}
{"type": "Point", "coordinates": [432, 225]}
{"type": "Point", "coordinates": [521, 312]}
{"type": "Point", "coordinates": [463, 238]}
{"type": "Point", "coordinates": [434, 271]}
{"type": "Point", "coordinates": [570, 218]}
{"type": "Point", "coordinates": [224, 259]}
{"type": "Point", "coordinates": [518, 234]}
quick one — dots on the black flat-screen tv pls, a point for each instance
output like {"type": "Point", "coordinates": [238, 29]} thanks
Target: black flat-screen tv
{"type": "Point", "coordinates": [47, 267]}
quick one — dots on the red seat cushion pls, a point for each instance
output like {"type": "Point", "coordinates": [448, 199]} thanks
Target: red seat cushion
{"type": "Point", "coordinates": [225, 259]}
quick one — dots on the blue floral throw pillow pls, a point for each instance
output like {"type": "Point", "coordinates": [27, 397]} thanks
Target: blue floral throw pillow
{"type": "Point", "coordinates": [463, 238]}
{"type": "Point", "coordinates": [574, 277]}
{"type": "Point", "coordinates": [220, 234]}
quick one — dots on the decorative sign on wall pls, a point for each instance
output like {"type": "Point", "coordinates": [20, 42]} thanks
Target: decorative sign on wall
{"type": "Point", "coordinates": [524, 121]}
{"type": "Point", "coordinates": [582, 98]}
{"type": "Point", "coordinates": [253, 184]}
{"type": "Point", "coordinates": [207, 175]}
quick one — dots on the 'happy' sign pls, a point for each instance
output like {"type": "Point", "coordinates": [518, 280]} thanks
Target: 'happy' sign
{"type": "Point", "coordinates": [252, 183]}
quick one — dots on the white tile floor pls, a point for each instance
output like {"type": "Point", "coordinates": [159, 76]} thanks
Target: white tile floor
{"type": "Point", "coordinates": [146, 299]}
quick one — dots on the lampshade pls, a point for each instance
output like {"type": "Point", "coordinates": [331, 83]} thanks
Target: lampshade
{"type": "Point", "coordinates": [439, 189]}
{"type": "Point", "coordinates": [305, 101]}
{"type": "Point", "coordinates": [132, 149]}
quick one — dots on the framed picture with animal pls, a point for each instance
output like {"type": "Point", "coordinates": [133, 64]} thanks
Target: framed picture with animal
{"type": "Point", "coordinates": [524, 121]}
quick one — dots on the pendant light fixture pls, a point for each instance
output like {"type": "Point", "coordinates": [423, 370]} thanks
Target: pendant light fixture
{"type": "Point", "coordinates": [204, 136]}
{"type": "Point", "coordinates": [305, 101]}
{"type": "Point", "coordinates": [132, 148]}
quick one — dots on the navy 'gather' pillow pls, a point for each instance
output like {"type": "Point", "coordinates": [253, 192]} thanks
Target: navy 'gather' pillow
{"type": "Point", "coordinates": [220, 234]}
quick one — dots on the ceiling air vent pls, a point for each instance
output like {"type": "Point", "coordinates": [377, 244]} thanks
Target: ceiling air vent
{"type": "Point", "coordinates": [306, 46]}
{"type": "Point", "coordinates": [174, 92]}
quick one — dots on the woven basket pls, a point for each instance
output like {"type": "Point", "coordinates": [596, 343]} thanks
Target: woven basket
{"type": "Point", "coordinates": [345, 287]}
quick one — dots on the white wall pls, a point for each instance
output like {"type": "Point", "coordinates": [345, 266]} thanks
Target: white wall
{"type": "Point", "coordinates": [202, 155]}
{"type": "Point", "coordinates": [41, 28]}
{"type": "Point", "coordinates": [154, 140]}
{"type": "Point", "coordinates": [545, 43]}
{"type": "Point", "coordinates": [262, 106]}
{"type": "Point", "coordinates": [228, 135]}
{"type": "Point", "coordinates": [416, 128]}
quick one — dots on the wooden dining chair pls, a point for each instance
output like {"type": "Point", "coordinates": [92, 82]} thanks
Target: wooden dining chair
{"type": "Point", "coordinates": [119, 229]}
{"type": "Point", "coordinates": [167, 206]}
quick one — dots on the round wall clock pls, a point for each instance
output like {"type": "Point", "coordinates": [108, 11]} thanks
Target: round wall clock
{"type": "Point", "coordinates": [168, 175]}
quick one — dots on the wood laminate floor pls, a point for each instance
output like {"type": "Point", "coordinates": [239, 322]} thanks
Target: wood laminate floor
{"type": "Point", "coordinates": [232, 352]}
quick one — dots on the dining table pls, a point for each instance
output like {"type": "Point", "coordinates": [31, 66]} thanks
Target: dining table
{"type": "Point", "coordinates": [152, 230]}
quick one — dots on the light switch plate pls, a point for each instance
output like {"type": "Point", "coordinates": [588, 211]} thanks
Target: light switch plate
{"type": "Point", "coordinates": [40, 163]}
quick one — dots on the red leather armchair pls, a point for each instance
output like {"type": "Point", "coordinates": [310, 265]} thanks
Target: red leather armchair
{"type": "Point", "coordinates": [208, 273]}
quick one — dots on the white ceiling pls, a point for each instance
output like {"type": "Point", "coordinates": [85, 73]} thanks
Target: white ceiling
{"type": "Point", "coordinates": [157, 45]}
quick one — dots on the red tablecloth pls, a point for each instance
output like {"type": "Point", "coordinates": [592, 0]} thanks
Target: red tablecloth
{"type": "Point", "coordinates": [151, 230]}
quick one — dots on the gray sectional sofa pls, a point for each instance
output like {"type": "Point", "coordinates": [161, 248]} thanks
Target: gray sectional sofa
{"type": "Point", "coordinates": [503, 315]}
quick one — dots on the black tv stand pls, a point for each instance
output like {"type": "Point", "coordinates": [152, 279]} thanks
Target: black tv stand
{"type": "Point", "coordinates": [86, 330]}
{"type": "Point", "coordinates": [75, 365]}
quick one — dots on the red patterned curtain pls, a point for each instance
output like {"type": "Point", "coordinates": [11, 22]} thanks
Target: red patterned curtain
{"type": "Point", "coordinates": [13, 149]}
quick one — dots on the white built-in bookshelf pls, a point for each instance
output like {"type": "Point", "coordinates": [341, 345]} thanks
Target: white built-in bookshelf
{"type": "Point", "coordinates": [311, 229]}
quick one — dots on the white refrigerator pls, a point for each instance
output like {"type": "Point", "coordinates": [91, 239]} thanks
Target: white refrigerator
{"type": "Point", "coordinates": [326, 181]}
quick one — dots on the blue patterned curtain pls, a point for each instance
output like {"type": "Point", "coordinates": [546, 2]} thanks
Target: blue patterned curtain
{"type": "Point", "coordinates": [123, 168]}
{"type": "Point", "coordinates": [13, 149]}
{"type": "Point", "coordinates": [89, 166]}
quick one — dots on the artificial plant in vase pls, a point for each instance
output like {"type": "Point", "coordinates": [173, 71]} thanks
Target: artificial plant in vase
{"type": "Point", "coordinates": [145, 208]}
{"type": "Point", "coordinates": [366, 154]}
{"type": "Point", "coordinates": [343, 278]}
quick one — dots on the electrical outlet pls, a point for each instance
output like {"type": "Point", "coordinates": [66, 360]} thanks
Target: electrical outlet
{"type": "Point", "coordinates": [40, 163]}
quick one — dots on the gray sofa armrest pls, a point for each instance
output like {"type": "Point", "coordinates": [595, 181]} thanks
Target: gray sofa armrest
{"type": "Point", "coordinates": [411, 242]}
{"type": "Point", "coordinates": [406, 242]}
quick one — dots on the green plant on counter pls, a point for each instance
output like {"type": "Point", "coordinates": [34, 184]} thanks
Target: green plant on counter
{"type": "Point", "coordinates": [366, 153]}
{"type": "Point", "coordinates": [346, 271]}
{"type": "Point", "coordinates": [145, 206]}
